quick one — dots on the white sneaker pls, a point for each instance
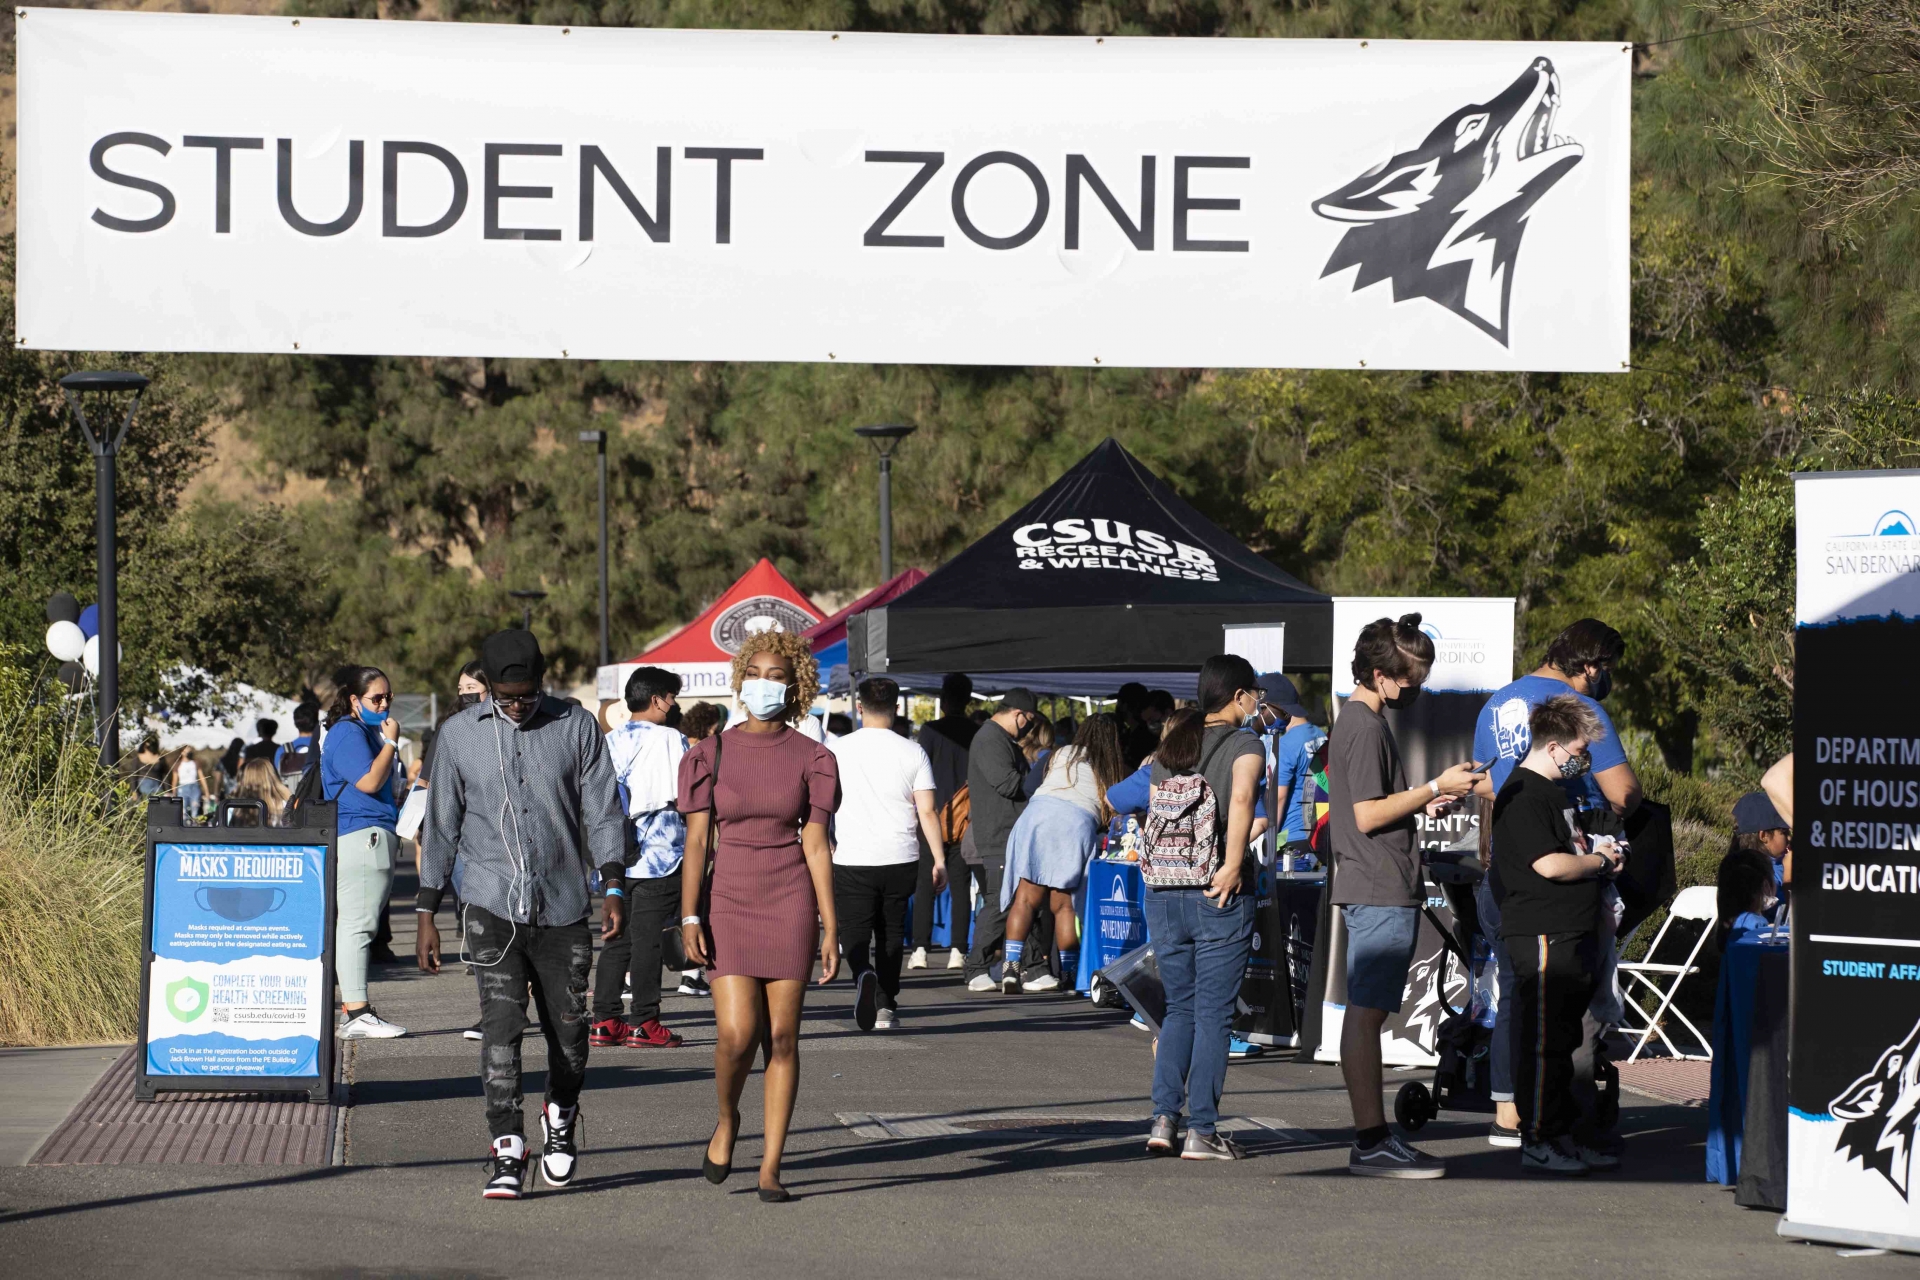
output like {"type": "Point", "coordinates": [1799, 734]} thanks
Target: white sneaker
{"type": "Point", "coordinates": [1555, 1157]}
{"type": "Point", "coordinates": [368, 1025]}
{"type": "Point", "coordinates": [560, 1152]}
{"type": "Point", "coordinates": [885, 1020]}
{"type": "Point", "coordinates": [918, 960]}
{"type": "Point", "coordinates": [1045, 982]}
{"type": "Point", "coordinates": [506, 1168]}
{"type": "Point", "coordinates": [956, 959]}
{"type": "Point", "coordinates": [982, 982]}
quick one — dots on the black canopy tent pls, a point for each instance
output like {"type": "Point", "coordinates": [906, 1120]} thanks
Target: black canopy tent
{"type": "Point", "coordinates": [1109, 570]}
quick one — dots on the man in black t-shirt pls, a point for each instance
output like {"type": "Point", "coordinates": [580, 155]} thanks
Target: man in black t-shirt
{"type": "Point", "coordinates": [1550, 876]}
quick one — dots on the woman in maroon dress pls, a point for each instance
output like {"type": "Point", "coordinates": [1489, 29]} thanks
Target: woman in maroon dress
{"type": "Point", "coordinates": [756, 923]}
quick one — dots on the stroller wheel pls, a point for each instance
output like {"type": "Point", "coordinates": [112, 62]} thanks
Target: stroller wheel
{"type": "Point", "coordinates": [1413, 1106]}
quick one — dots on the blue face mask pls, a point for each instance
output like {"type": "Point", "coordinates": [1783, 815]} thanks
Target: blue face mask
{"type": "Point", "coordinates": [763, 699]}
{"type": "Point", "coordinates": [372, 719]}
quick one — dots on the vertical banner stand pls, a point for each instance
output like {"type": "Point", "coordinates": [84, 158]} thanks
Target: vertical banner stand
{"type": "Point", "coordinates": [1853, 1073]}
{"type": "Point", "coordinates": [236, 974]}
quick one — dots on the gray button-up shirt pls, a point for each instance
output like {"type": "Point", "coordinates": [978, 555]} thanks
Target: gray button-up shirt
{"type": "Point", "coordinates": [528, 810]}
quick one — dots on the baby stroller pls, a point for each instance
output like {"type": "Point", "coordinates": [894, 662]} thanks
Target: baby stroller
{"type": "Point", "coordinates": [1463, 1079]}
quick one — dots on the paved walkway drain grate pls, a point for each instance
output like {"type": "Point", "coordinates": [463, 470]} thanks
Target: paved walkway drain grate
{"type": "Point", "coordinates": [1256, 1133]}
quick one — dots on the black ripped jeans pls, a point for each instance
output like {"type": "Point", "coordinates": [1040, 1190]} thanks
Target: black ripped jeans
{"type": "Point", "coordinates": [552, 961]}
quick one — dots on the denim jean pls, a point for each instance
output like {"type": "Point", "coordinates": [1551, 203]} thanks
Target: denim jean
{"type": "Point", "coordinates": [360, 893]}
{"type": "Point", "coordinates": [1202, 951]}
{"type": "Point", "coordinates": [551, 962]}
{"type": "Point", "coordinates": [1500, 1047]}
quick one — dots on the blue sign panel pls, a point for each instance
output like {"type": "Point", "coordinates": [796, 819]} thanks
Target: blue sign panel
{"type": "Point", "coordinates": [239, 940]}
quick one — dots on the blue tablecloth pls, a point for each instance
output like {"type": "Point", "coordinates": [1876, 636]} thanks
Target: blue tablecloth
{"type": "Point", "coordinates": [1733, 1006]}
{"type": "Point", "coordinates": [1113, 920]}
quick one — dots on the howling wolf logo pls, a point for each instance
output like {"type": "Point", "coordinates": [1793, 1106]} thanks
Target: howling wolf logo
{"type": "Point", "coordinates": [1444, 220]}
{"type": "Point", "coordinates": [1880, 1110]}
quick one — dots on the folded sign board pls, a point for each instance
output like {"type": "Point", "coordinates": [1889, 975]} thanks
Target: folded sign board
{"type": "Point", "coordinates": [194, 182]}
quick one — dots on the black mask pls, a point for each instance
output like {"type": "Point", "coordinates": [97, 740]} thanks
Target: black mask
{"type": "Point", "coordinates": [1601, 684]}
{"type": "Point", "coordinates": [1406, 698]}
{"type": "Point", "coordinates": [470, 700]}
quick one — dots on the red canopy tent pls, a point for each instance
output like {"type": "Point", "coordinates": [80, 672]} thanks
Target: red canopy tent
{"type": "Point", "coordinates": [701, 653]}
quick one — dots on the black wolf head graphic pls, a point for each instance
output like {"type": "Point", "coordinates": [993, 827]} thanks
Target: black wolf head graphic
{"type": "Point", "coordinates": [1444, 220]}
{"type": "Point", "coordinates": [1880, 1110]}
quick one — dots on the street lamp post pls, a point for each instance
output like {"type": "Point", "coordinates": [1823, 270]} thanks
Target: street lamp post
{"type": "Point", "coordinates": [885, 439]}
{"type": "Point", "coordinates": [599, 440]}
{"type": "Point", "coordinates": [528, 597]}
{"type": "Point", "coordinates": [103, 392]}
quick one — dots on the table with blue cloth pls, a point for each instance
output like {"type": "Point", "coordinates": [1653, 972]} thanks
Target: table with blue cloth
{"type": "Point", "coordinates": [1747, 1107]}
{"type": "Point", "coordinates": [1113, 917]}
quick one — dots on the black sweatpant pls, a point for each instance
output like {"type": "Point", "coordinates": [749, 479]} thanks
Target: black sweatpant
{"type": "Point", "coordinates": [651, 906]}
{"type": "Point", "coordinates": [1553, 982]}
{"type": "Point", "coordinates": [552, 961]}
{"type": "Point", "coordinates": [871, 903]}
{"type": "Point", "coordinates": [990, 928]}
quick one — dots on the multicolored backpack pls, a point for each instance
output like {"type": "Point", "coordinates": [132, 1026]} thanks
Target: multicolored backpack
{"type": "Point", "coordinates": [1181, 849]}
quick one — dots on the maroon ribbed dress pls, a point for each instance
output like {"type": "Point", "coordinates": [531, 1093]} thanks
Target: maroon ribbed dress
{"type": "Point", "coordinates": [760, 908]}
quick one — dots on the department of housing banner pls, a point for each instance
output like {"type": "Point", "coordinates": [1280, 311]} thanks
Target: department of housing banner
{"type": "Point", "coordinates": [1854, 1064]}
{"type": "Point", "coordinates": [212, 183]}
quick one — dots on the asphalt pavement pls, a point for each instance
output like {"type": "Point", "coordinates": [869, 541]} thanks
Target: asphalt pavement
{"type": "Point", "coordinates": [988, 1136]}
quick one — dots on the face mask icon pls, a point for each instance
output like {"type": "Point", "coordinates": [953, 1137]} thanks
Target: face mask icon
{"type": "Point", "coordinates": [186, 999]}
{"type": "Point", "coordinates": [238, 904]}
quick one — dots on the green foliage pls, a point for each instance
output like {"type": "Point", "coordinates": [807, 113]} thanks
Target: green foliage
{"type": "Point", "coordinates": [70, 875]}
{"type": "Point", "coordinates": [219, 587]}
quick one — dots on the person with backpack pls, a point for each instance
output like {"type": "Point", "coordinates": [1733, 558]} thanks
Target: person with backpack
{"type": "Point", "coordinates": [1206, 775]}
{"type": "Point", "coordinates": [996, 793]}
{"type": "Point", "coordinates": [299, 755]}
{"type": "Point", "coordinates": [357, 775]}
{"type": "Point", "coordinates": [1377, 883]}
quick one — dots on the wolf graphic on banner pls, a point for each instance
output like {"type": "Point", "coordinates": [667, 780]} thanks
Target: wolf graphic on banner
{"type": "Point", "coordinates": [1881, 1110]}
{"type": "Point", "coordinates": [1444, 220]}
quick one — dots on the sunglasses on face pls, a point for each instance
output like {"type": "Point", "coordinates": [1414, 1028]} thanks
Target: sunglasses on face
{"type": "Point", "coordinates": [378, 700]}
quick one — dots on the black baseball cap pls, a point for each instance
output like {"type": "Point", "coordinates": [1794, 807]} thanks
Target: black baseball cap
{"type": "Point", "coordinates": [1279, 693]}
{"type": "Point", "coordinates": [512, 657]}
{"type": "Point", "coordinates": [1020, 700]}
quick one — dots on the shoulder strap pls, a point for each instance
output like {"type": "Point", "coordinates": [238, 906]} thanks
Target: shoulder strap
{"type": "Point", "coordinates": [713, 800]}
{"type": "Point", "coordinates": [1208, 754]}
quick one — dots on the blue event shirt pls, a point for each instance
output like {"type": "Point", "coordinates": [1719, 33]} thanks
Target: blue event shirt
{"type": "Point", "coordinates": [1501, 735]}
{"type": "Point", "coordinates": [1293, 753]}
{"type": "Point", "coordinates": [345, 756]}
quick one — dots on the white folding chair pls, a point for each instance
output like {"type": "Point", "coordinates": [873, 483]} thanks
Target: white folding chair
{"type": "Point", "coordinates": [1698, 903]}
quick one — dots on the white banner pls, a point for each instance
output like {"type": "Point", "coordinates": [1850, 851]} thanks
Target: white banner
{"type": "Point", "coordinates": [1472, 638]}
{"type": "Point", "coordinates": [195, 182]}
{"type": "Point", "coordinates": [1857, 547]}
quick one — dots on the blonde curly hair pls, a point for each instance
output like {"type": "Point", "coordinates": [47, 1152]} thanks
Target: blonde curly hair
{"type": "Point", "coordinates": [797, 653]}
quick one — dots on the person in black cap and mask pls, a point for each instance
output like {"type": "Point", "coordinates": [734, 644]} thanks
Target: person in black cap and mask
{"type": "Point", "coordinates": [996, 770]}
{"type": "Point", "coordinates": [522, 793]}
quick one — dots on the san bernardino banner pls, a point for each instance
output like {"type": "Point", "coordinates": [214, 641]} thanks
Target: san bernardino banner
{"type": "Point", "coordinates": [220, 183]}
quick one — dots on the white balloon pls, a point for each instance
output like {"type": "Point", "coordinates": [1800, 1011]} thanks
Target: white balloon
{"type": "Point", "coordinates": [90, 658]}
{"type": "Point", "coordinates": [66, 641]}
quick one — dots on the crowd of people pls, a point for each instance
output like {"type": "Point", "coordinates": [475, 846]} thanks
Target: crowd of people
{"type": "Point", "coordinates": [748, 857]}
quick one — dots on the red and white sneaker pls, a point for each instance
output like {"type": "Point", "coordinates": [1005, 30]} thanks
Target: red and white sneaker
{"type": "Point", "coordinates": [506, 1168]}
{"type": "Point", "coordinates": [609, 1032]}
{"type": "Point", "coordinates": [651, 1035]}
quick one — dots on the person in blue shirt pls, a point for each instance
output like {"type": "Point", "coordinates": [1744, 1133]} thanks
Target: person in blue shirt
{"type": "Point", "coordinates": [1292, 742]}
{"type": "Point", "coordinates": [1580, 661]}
{"type": "Point", "coordinates": [357, 774]}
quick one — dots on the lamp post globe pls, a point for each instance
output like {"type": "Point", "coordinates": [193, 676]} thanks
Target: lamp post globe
{"type": "Point", "coordinates": [885, 438]}
{"type": "Point", "coordinates": [103, 403]}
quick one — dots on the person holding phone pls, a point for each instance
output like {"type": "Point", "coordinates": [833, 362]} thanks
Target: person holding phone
{"type": "Point", "coordinates": [1203, 936]}
{"type": "Point", "coordinates": [1377, 883]}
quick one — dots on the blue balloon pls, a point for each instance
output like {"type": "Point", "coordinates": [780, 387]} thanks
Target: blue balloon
{"type": "Point", "coordinates": [90, 621]}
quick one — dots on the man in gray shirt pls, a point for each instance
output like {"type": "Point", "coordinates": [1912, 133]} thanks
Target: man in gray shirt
{"type": "Point", "coordinates": [996, 768]}
{"type": "Point", "coordinates": [522, 793]}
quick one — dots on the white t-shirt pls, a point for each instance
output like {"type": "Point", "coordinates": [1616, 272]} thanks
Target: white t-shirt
{"type": "Point", "coordinates": [188, 772]}
{"type": "Point", "coordinates": [879, 772]}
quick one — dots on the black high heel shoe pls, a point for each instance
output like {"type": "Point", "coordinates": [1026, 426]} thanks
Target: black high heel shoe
{"type": "Point", "coordinates": [716, 1173]}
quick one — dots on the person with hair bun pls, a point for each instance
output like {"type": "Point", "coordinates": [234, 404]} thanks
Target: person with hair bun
{"type": "Point", "coordinates": [757, 800]}
{"type": "Point", "coordinates": [1377, 882]}
{"type": "Point", "coordinates": [357, 773]}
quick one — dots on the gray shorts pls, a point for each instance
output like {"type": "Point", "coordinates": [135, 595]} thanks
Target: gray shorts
{"type": "Point", "coordinates": [1380, 943]}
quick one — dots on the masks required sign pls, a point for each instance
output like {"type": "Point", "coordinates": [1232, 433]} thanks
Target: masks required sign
{"type": "Point", "coordinates": [218, 183]}
{"type": "Point", "coordinates": [237, 976]}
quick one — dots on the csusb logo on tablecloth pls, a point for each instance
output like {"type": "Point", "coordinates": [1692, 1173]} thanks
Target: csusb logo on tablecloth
{"type": "Point", "coordinates": [1444, 220]}
{"type": "Point", "coordinates": [1077, 543]}
{"type": "Point", "coordinates": [757, 614]}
